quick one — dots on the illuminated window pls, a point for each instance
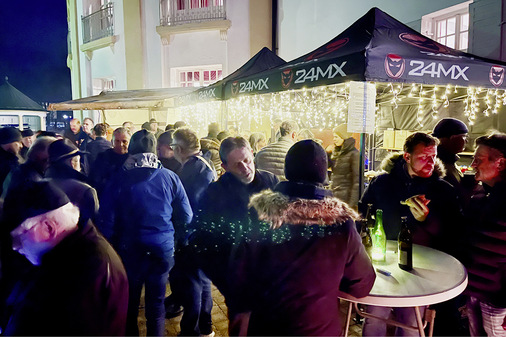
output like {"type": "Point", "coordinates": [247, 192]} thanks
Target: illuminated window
{"type": "Point", "coordinates": [197, 77]}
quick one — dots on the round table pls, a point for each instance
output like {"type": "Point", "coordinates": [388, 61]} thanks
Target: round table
{"type": "Point", "coordinates": [436, 277]}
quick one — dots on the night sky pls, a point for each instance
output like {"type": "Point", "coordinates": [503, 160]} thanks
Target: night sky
{"type": "Point", "coordinates": [33, 48]}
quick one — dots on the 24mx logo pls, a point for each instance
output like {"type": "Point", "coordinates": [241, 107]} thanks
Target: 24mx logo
{"type": "Point", "coordinates": [207, 93]}
{"type": "Point", "coordinates": [436, 69]}
{"type": "Point", "coordinates": [248, 86]}
{"type": "Point", "coordinates": [315, 73]}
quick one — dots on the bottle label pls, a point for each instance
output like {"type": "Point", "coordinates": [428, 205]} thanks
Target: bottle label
{"type": "Point", "coordinates": [403, 257]}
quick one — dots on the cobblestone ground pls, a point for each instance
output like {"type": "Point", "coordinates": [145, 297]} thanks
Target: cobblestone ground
{"type": "Point", "coordinates": [220, 320]}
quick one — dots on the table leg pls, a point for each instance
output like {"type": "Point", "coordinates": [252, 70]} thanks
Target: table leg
{"type": "Point", "coordinates": [419, 321]}
{"type": "Point", "coordinates": [348, 318]}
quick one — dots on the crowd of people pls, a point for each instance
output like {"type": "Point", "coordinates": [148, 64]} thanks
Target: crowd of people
{"type": "Point", "coordinates": [92, 217]}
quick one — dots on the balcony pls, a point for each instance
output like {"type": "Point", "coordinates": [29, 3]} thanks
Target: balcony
{"type": "Point", "coordinates": [177, 12]}
{"type": "Point", "coordinates": [186, 16]}
{"type": "Point", "coordinates": [98, 29]}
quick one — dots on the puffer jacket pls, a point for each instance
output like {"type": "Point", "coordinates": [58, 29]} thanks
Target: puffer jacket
{"type": "Point", "coordinates": [272, 157]}
{"type": "Point", "coordinates": [387, 190]}
{"type": "Point", "coordinates": [345, 172]}
{"type": "Point", "coordinates": [486, 265]}
{"type": "Point", "coordinates": [290, 277]}
{"type": "Point", "coordinates": [211, 151]}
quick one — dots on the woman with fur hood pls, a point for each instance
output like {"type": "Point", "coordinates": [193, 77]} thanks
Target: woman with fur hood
{"type": "Point", "coordinates": [288, 276]}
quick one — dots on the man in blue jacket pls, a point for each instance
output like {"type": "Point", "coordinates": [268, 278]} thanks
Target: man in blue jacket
{"type": "Point", "coordinates": [138, 215]}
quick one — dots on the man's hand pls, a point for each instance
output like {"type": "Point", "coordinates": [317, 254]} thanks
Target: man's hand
{"type": "Point", "coordinates": [418, 206]}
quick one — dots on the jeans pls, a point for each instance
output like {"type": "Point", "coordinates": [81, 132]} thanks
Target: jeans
{"type": "Point", "coordinates": [377, 327]}
{"type": "Point", "coordinates": [150, 269]}
{"type": "Point", "coordinates": [194, 289]}
{"type": "Point", "coordinates": [484, 318]}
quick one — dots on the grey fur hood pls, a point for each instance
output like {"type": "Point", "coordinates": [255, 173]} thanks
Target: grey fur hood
{"type": "Point", "coordinates": [278, 209]}
{"type": "Point", "coordinates": [394, 159]}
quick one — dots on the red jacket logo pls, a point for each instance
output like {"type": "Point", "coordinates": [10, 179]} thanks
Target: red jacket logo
{"type": "Point", "coordinates": [496, 75]}
{"type": "Point", "coordinates": [394, 65]}
{"type": "Point", "coordinates": [327, 49]}
{"type": "Point", "coordinates": [423, 43]}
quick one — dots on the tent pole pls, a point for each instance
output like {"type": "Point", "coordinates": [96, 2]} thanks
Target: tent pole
{"type": "Point", "coordinates": [362, 165]}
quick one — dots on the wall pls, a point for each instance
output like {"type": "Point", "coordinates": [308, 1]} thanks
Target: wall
{"type": "Point", "coordinates": [305, 25]}
{"type": "Point", "coordinates": [485, 28]}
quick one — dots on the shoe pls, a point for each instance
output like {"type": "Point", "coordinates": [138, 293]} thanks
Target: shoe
{"type": "Point", "coordinates": [173, 310]}
{"type": "Point", "coordinates": [209, 335]}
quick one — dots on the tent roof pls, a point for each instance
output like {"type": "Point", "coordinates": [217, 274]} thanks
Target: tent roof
{"type": "Point", "coordinates": [265, 59]}
{"type": "Point", "coordinates": [379, 48]}
{"type": "Point", "coordinates": [13, 99]}
{"type": "Point", "coordinates": [125, 99]}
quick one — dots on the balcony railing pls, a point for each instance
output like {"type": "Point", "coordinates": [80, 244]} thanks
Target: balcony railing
{"type": "Point", "coordinates": [177, 12]}
{"type": "Point", "coordinates": [98, 24]}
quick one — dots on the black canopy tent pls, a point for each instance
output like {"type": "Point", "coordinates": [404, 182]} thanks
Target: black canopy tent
{"type": "Point", "coordinates": [377, 48]}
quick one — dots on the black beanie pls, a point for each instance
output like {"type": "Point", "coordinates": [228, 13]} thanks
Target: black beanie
{"type": "Point", "coordinates": [142, 141]}
{"type": "Point", "coordinates": [31, 199]}
{"type": "Point", "coordinates": [306, 161]}
{"type": "Point", "coordinates": [448, 127]}
{"type": "Point", "coordinates": [9, 135]}
{"type": "Point", "coordinates": [27, 133]}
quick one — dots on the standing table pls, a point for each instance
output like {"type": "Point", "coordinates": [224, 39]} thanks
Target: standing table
{"type": "Point", "coordinates": [436, 277]}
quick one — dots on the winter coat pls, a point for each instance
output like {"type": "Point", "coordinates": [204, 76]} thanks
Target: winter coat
{"type": "Point", "coordinates": [211, 151]}
{"type": "Point", "coordinates": [196, 175]}
{"type": "Point", "coordinates": [387, 190]}
{"type": "Point", "coordinates": [223, 211]}
{"type": "Point", "coordinates": [75, 186]}
{"type": "Point", "coordinates": [271, 158]}
{"type": "Point", "coordinates": [79, 289]}
{"type": "Point", "coordinates": [106, 165]}
{"type": "Point", "coordinates": [290, 277]}
{"type": "Point", "coordinates": [8, 161]}
{"type": "Point", "coordinates": [99, 145]}
{"type": "Point", "coordinates": [346, 172]}
{"type": "Point", "coordinates": [140, 205]}
{"type": "Point", "coordinates": [486, 266]}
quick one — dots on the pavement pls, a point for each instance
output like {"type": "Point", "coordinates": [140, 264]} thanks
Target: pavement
{"type": "Point", "coordinates": [220, 320]}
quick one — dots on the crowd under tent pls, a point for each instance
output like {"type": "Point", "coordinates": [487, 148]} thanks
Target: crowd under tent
{"type": "Point", "coordinates": [19, 110]}
{"type": "Point", "coordinates": [417, 82]}
{"type": "Point", "coordinates": [137, 106]}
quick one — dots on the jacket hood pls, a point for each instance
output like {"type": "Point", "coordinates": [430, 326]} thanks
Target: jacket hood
{"type": "Point", "coordinates": [396, 160]}
{"type": "Point", "coordinates": [278, 209]}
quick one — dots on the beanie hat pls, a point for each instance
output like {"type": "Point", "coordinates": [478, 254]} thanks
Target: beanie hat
{"type": "Point", "coordinates": [448, 127]}
{"type": "Point", "coordinates": [27, 133]}
{"type": "Point", "coordinates": [31, 199]}
{"type": "Point", "coordinates": [63, 149]}
{"type": "Point", "coordinates": [9, 135]}
{"type": "Point", "coordinates": [342, 131]}
{"type": "Point", "coordinates": [306, 161]}
{"type": "Point", "coordinates": [142, 141]}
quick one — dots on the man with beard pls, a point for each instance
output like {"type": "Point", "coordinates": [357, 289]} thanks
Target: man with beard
{"type": "Point", "coordinates": [413, 187]}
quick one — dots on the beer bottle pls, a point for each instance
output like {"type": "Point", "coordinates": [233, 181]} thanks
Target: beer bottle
{"type": "Point", "coordinates": [405, 241]}
{"type": "Point", "coordinates": [365, 234]}
{"type": "Point", "coordinates": [379, 239]}
{"type": "Point", "coordinates": [369, 217]}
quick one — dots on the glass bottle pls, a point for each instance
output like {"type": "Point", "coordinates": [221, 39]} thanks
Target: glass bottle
{"type": "Point", "coordinates": [379, 239]}
{"type": "Point", "coordinates": [365, 234]}
{"type": "Point", "coordinates": [405, 242]}
{"type": "Point", "coordinates": [370, 217]}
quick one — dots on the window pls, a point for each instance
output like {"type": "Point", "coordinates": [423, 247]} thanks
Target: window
{"type": "Point", "coordinates": [194, 4]}
{"type": "Point", "coordinates": [32, 122]}
{"type": "Point", "coordinates": [449, 26]}
{"type": "Point", "coordinates": [197, 77]}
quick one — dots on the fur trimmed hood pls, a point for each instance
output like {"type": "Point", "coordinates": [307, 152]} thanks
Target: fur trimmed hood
{"type": "Point", "coordinates": [395, 159]}
{"type": "Point", "coordinates": [277, 209]}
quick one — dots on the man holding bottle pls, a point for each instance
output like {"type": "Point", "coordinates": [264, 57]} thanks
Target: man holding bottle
{"type": "Point", "coordinates": [412, 187]}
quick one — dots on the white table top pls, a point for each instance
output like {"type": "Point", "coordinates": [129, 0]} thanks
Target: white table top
{"type": "Point", "coordinates": [436, 277]}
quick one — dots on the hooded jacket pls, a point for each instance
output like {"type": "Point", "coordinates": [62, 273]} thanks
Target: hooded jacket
{"type": "Point", "coordinates": [345, 172]}
{"type": "Point", "coordinates": [387, 190]}
{"type": "Point", "coordinates": [289, 277]}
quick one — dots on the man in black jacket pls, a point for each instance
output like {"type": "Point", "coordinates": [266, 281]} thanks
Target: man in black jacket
{"type": "Point", "coordinates": [80, 286]}
{"type": "Point", "coordinates": [10, 146]}
{"type": "Point", "coordinates": [225, 205]}
{"type": "Point", "coordinates": [413, 187]}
